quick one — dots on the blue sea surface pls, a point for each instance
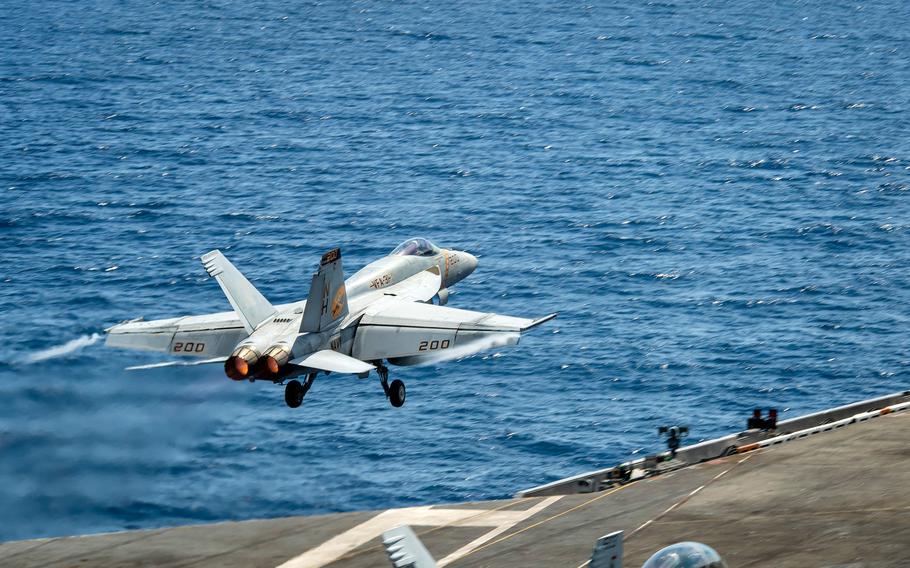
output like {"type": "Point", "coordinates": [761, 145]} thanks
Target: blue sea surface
{"type": "Point", "coordinates": [714, 196]}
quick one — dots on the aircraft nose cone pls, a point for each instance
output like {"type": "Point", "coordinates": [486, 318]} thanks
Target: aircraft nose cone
{"type": "Point", "coordinates": [458, 266]}
{"type": "Point", "coordinates": [471, 262]}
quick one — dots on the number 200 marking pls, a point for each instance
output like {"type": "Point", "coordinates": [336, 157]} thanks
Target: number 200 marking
{"type": "Point", "coordinates": [433, 345]}
{"type": "Point", "coordinates": [189, 347]}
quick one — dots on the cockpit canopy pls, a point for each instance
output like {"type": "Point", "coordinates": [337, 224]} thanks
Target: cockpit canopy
{"type": "Point", "coordinates": [417, 246]}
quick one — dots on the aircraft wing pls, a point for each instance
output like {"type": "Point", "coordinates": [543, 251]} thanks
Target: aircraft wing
{"type": "Point", "coordinates": [418, 288]}
{"type": "Point", "coordinates": [409, 331]}
{"type": "Point", "coordinates": [191, 363]}
{"type": "Point", "coordinates": [211, 336]}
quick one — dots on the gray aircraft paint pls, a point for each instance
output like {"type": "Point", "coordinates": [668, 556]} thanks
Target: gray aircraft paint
{"type": "Point", "coordinates": [383, 312]}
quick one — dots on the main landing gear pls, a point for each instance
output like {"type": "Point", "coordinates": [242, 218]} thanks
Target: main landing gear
{"type": "Point", "coordinates": [294, 391]}
{"type": "Point", "coordinates": [395, 392]}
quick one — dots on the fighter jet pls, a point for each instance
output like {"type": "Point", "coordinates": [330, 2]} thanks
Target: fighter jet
{"type": "Point", "coordinates": [391, 310]}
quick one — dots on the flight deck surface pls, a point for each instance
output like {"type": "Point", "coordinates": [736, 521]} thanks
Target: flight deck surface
{"type": "Point", "coordinates": [835, 499]}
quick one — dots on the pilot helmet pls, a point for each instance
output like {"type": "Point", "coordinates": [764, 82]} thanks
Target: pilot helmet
{"type": "Point", "coordinates": [686, 555]}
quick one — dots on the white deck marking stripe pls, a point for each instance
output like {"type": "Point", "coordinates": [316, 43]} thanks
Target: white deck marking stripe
{"type": "Point", "coordinates": [643, 525]}
{"type": "Point", "coordinates": [687, 497]}
{"type": "Point", "coordinates": [471, 546]}
{"type": "Point", "coordinates": [602, 495]}
{"type": "Point", "coordinates": [341, 544]}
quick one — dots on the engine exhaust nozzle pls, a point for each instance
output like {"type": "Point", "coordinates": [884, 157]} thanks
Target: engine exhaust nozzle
{"type": "Point", "coordinates": [238, 365]}
{"type": "Point", "coordinates": [274, 359]}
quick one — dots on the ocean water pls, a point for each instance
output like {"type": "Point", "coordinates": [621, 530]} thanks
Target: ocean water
{"type": "Point", "coordinates": [713, 195]}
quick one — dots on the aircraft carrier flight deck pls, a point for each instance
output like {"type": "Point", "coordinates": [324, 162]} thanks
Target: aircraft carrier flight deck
{"type": "Point", "coordinates": [826, 489]}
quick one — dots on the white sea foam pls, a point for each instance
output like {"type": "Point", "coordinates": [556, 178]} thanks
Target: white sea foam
{"type": "Point", "coordinates": [67, 348]}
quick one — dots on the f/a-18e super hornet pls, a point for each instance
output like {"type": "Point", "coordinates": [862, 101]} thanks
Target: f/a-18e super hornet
{"type": "Point", "coordinates": [391, 310]}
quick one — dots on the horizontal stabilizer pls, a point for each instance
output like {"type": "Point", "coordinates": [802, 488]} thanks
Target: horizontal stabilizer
{"type": "Point", "coordinates": [177, 364]}
{"type": "Point", "coordinates": [327, 360]}
{"type": "Point", "coordinates": [247, 301]}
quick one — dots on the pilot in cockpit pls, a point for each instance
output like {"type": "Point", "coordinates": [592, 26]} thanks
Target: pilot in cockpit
{"type": "Point", "coordinates": [416, 247]}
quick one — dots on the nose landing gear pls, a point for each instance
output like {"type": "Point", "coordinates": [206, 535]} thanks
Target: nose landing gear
{"type": "Point", "coordinates": [396, 393]}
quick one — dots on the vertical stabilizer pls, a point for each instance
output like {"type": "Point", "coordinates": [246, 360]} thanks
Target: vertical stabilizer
{"type": "Point", "coordinates": [327, 303]}
{"type": "Point", "coordinates": [250, 305]}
